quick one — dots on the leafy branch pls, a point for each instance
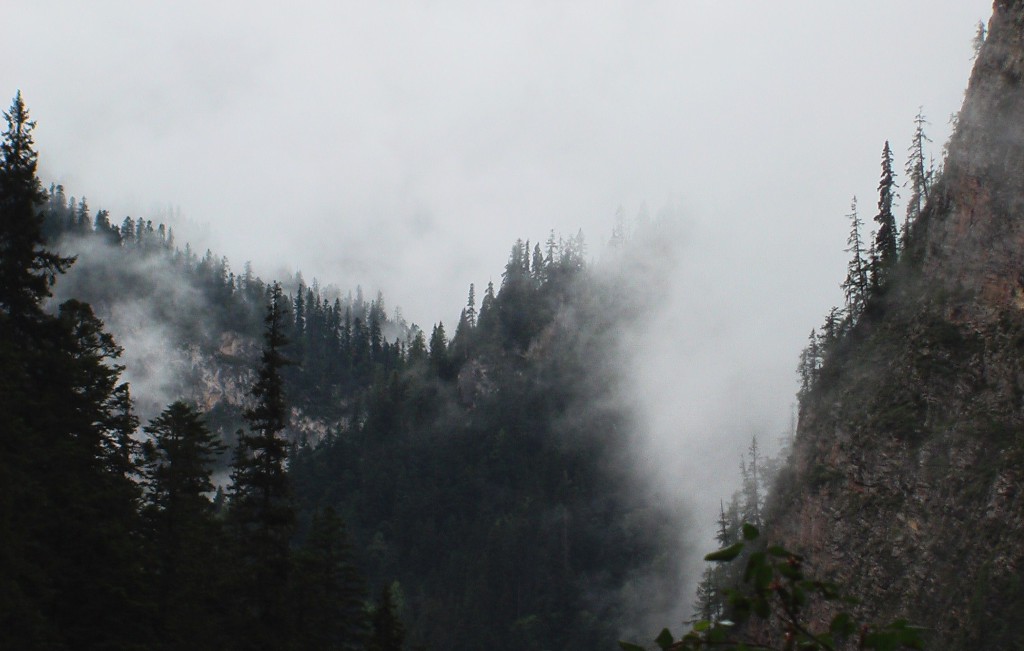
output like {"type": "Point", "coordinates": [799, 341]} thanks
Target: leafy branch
{"type": "Point", "coordinates": [777, 591]}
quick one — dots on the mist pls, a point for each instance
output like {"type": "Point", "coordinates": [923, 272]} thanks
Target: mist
{"type": "Point", "coordinates": [404, 147]}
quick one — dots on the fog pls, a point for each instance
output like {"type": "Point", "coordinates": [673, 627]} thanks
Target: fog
{"type": "Point", "coordinates": [405, 146]}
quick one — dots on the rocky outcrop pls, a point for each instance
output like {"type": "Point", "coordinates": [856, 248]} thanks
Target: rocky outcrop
{"type": "Point", "coordinates": [973, 236]}
{"type": "Point", "coordinates": [906, 482]}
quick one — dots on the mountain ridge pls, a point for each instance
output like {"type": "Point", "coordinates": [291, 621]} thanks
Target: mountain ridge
{"type": "Point", "coordinates": [906, 467]}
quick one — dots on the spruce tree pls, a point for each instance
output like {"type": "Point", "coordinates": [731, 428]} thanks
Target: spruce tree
{"type": "Point", "coordinates": [181, 527]}
{"type": "Point", "coordinates": [855, 287]}
{"type": "Point", "coordinates": [753, 484]}
{"type": "Point", "coordinates": [886, 244]}
{"type": "Point", "coordinates": [471, 306]}
{"type": "Point", "coordinates": [810, 362]}
{"type": "Point", "coordinates": [27, 270]}
{"type": "Point", "coordinates": [386, 630]}
{"type": "Point", "coordinates": [87, 423]}
{"type": "Point", "coordinates": [261, 513]}
{"type": "Point", "coordinates": [919, 178]}
{"type": "Point", "coordinates": [980, 34]}
{"type": "Point", "coordinates": [539, 268]}
{"type": "Point", "coordinates": [439, 359]}
{"type": "Point", "coordinates": [487, 317]}
{"type": "Point", "coordinates": [707, 603]}
{"type": "Point", "coordinates": [69, 571]}
{"type": "Point", "coordinates": [328, 593]}
{"type": "Point", "coordinates": [418, 347]}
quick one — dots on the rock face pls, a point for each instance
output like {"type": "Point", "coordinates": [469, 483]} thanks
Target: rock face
{"type": "Point", "coordinates": [906, 482]}
{"type": "Point", "coordinates": [975, 237]}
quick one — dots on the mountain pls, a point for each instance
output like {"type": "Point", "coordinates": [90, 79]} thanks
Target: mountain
{"type": "Point", "coordinates": [482, 477]}
{"type": "Point", "coordinates": [906, 477]}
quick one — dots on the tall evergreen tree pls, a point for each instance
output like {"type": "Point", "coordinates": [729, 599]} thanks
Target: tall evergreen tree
{"type": "Point", "coordinates": [27, 270]}
{"type": "Point", "coordinates": [810, 362]}
{"type": "Point", "coordinates": [471, 306]}
{"type": "Point", "coordinates": [539, 268]}
{"type": "Point", "coordinates": [754, 489]}
{"type": "Point", "coordinates": [707, 604]}
{"type": "Point", "coordinates": [439, 359]}
{"type": "Point", "coordinates": [886, 244]}
{"type": "Point", "coordinates": [181, 527]}
{"type": "Point", "coordinates": [855, 287]}
{"type": "Point", "coordinates": [387, 632]}
{"type": "Point", "coordinates": [980, 34]}
{"type": "Point", "coordinates": [261, 511]}
{"type": "Point", "coordinates": [919, 177]}
{"type": "Point", "coordinates": [487, 316]}
{"type": "Point", "coordinates": [68, 520]}
{"type": "Point", "coordinates": [328, 593]}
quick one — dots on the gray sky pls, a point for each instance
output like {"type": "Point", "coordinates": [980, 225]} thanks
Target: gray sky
{"type": "Point", "coordinates": [404, 146]}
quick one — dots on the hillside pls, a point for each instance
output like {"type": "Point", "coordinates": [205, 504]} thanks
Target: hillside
{"type": "Point", "coordinates": [905, 479]}
{"type": "Point", "coordinates": [481, 479]}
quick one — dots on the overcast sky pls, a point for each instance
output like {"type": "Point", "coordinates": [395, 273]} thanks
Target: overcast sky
{"type": "Point", "coordinates": [404, 146]}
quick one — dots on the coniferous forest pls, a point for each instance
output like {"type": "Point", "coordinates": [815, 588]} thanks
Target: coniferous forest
{"type": "Point", "coordinates": [193, 456]}
{"type": "Point", "coordinates": [460, 489]}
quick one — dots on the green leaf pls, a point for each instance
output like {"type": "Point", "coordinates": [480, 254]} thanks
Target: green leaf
{"type": "Point", "coordinates": [761, 607]}
{"type": "Point", "coordinates": [778, 551]}
{"type": "Point", "coordinates": [702, 626]}
{"type": "Point", "coordinates": [756, 561]}
{"type": "Point", "coordinates": [750, 532]}
{"type": "Point", "coordinates": [718, 635]}
{"type": "Point", "coordinates": [799, 596]}
{"type": "Point", "coordinates": [664, 639]}
{"type": "Point", "coordinates": [843, 625]}
{"type": "Point", "coordinates": [628, 646]}
{"type": "Point", "coordinates": [725, 555]}
{"type": "Point", "coordinates": [790, 572]}
{"type": "Point", "coordinates": [898, 634]}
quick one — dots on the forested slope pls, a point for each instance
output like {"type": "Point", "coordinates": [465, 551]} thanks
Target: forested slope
{"type": "Point", "coordinates": [905, 479]}
{"type": "Point", "coordinates": [284, 451]}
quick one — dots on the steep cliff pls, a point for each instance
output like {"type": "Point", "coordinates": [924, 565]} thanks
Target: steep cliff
{"type": "Point", "coordinates": [907, 474]}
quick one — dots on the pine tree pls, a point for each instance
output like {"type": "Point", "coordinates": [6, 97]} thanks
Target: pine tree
{"type": "Point", "coordinates": [708, 603]}
{"type": "Point", "coordinates": [539, 271]}
{"type": "Point", "coordinates": [328, 592]}
{"type": "Point", "coordinates": [261, 513]}
{"type": "Point", "coordinates": [182, 529]}
{"type": "Point", "coordinates": [980, 34]}
{"type": "Point", "coordinates": [418, 347]}
{"type": "Point", "coordinates": [487, 317]}
{"type": "Point", "coordinates": [299, 309]}
{"type": "Point", "coordinates": [439, 350]}
{"type": "Point", "coordinates": [27, 271]}
{"type": "Point", "coordinates": [855, 287]}
{"type": "Point", "coordinates": [830, 331]}
{"type": "Point", "coordinates": [810, 362]}
{"type": "Point", "coordinates": [919, 177]}
{"type": "Point", "coordinates": [461, 345]}
{"type": "Point", "coordinates": [517, 269]}
{"type": "Point", "coordinates": [727, 532]}
{"type": "Point", "coordinates": [886, 244]}
{"type": "Point", "coordinates": [68, 521]}
{"type": "Point", "coordinates": [82, 221]}
{"type": "Point", "coordinates": [471, 306]}
{"type": "Point", "coordinates": [754, 489]}
{"type": "Point", "coordinates": [387, 632]}
{"type": "Point", "coordinates": [377, 316]}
